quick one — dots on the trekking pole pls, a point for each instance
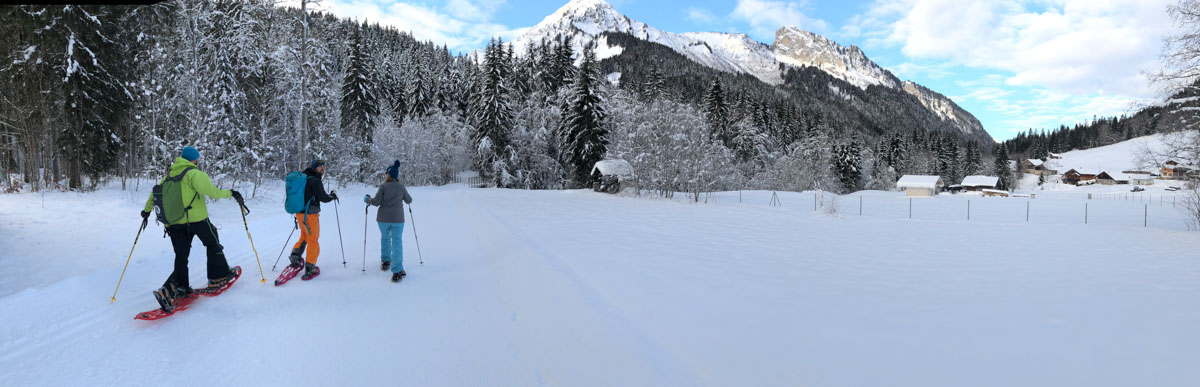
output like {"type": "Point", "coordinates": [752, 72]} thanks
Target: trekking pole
{"type": "Point", "coordinates": [135, 239]}
{"type": "Point", "coordinates": [285, 245]}
{"type": "Point", "coordinates": [245, 211]}
{"type": "Point", "coordinates": [366, 212]}
{"type": "Point", "coordinates": [339, 223]}
{"type": "Point", "coordinates": [418, 239]}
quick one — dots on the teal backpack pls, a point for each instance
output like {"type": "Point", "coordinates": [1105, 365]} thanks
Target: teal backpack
{"type": "Point", "coordinates": [295, 183]}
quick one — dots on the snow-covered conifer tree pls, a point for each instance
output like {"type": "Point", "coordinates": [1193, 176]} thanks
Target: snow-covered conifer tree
{"type": "Point", "coordinates": [584, 123]}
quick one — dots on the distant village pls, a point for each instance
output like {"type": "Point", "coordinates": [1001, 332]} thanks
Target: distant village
{"type": "Point", "coordinates": [1048, 170]}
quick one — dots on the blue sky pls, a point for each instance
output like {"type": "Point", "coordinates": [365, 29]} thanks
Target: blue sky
{"type": "Point", "coordinates": [1014, 64]}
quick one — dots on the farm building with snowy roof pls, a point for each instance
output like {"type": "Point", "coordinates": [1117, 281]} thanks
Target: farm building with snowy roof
{"type": "Point", "coordinates": [1175, 170]}
{"type": "Point", "coordinates": [980, 183]}
{"type": "Point", "coordinates": [612, 176]}
{"type": "Point", "coordinates": [920, 185]}
{"type": "Point", "coordinates": [1036, 167]}
{"type": "Point", "coordinates": [1079, 176]}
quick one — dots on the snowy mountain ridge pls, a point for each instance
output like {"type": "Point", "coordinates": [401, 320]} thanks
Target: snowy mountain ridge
{"type": "Point", "coordinates": [585, 20]}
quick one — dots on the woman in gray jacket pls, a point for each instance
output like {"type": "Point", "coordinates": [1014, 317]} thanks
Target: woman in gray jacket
{"type": "Point", "coordinates": [391, 198]}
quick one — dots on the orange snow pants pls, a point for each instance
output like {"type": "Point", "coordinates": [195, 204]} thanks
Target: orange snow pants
{"type": "Point", "coordinates": [310, 232]}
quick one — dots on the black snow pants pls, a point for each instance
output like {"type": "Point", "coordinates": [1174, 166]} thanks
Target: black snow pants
{"type": "Point", "coordinates": [181, 240]}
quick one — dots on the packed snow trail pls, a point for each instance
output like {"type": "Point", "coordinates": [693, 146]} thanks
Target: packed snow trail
{"type": "Point", "coordinates": [570, 288]}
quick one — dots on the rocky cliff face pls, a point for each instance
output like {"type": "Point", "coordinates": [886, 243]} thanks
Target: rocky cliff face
{"type": "Point", "coordinates": [797, 47]}
{"type": "Point", "coordinates": [946, 109]}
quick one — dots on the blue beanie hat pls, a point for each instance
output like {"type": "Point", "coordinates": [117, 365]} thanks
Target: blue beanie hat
{"type": "Point", "coordinates": [190, 154]}
{"type": "Point", "coordinates": [316, 163]}
{"type": "Point", "coordinates": [394, 170]}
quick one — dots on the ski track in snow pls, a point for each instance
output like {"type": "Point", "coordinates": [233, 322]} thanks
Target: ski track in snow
{"type": "Point", "coordinates": [570, 288]}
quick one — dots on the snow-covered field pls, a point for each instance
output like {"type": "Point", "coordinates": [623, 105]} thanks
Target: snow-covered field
{"type": "Point", "coordinates": [574, 288]}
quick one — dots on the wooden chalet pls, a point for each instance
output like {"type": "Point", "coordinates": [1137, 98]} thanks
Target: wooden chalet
{"type": "Point", "coordinates": [1036, 167]}
{"type": "Point", "coordinates": [1079, 177]}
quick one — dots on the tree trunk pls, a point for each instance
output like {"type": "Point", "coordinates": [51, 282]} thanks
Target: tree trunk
{"type": "Point", "coordinates": [74, 175]}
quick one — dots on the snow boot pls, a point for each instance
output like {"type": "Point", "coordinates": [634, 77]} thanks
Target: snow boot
{"type": "Point", "coordinates": [165, 301]}
{"type": "Point", "coordinates": [396, 277]}
{"type": "Point", "coordinates": [310, 271]}
{"type": "Point", "coordinates": [183, 292]}
{"type": "Point", "coordinates": [167, 294]}
{"type": "Point", "coordinates": [214, 284]}
{"type": "Point", "coordinates": [296, 259]}
{"type": "Point", "coordinates": [385, 265]}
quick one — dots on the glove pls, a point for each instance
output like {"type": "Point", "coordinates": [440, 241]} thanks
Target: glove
{"type": "Point", "coordinates": [366, 198]}
{"type": "Point", "coordinates": [145, 215]}
{"type": "Point", "coordinates": [333, 194]}
{"type": "Point", "coordinates": [238, 197]}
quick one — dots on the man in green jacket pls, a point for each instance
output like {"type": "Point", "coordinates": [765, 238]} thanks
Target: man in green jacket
{"type": "Point", "coordinates": [195, 185]}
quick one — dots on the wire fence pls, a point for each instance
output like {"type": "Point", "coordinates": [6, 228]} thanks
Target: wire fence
{"type": "Point", "coordinates": [1149, 210]}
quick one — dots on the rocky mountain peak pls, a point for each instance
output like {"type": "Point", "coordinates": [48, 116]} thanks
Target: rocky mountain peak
{"type": "Point", "coordinates": [804, 48]}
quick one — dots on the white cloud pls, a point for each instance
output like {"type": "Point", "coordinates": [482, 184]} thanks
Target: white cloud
{"type": "Point", "coordinates": [1075, 46]}
{"type": "Point", "coordinates": [460, 24]}
{"type": "Point", "coordinates": [915, 70]}
{"type": "Point", "coordinates": [1038, 108]}
{"type": "Point", "coordinates": [1051, 62]}
{"type": "Point", "coordinates": [767, 16]}
{"type": "Point", "coordinates": [699, 15]}
{"type": "Point", "coordinates": [473, 10]}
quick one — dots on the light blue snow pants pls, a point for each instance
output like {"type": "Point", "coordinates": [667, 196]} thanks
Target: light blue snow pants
{"type": "Point", "coordinates": [391, 247]}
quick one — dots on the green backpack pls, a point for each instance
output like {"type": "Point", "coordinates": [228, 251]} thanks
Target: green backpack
{"type": "Point", "coordinates": [168, 199]}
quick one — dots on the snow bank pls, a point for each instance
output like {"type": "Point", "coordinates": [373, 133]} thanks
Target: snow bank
{"type": "Point", "coordinates": [530, 288]}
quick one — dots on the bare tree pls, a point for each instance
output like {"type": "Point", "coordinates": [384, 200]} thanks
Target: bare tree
{"type": "Point", "coordinates": [1179, 79]}
{"type": "Point", "coordinates": [1181, 52]}
{"type": "Point", "coordinates": [1191, 204]}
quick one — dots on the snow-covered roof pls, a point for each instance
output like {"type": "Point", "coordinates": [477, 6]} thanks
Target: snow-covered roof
{"type": "Point", "coordinates": [980, 181]}
{"type": "Point", "coordinates": [614, 167]}
{"type": "Point", "coordinates": [1034, 162]}
{"type": "Point", "coordinates": [1122, 176]}
{"type": "Point", "coordinates": [919, 181]}
{"type": "Point", "coordinates": [1083, 171]}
